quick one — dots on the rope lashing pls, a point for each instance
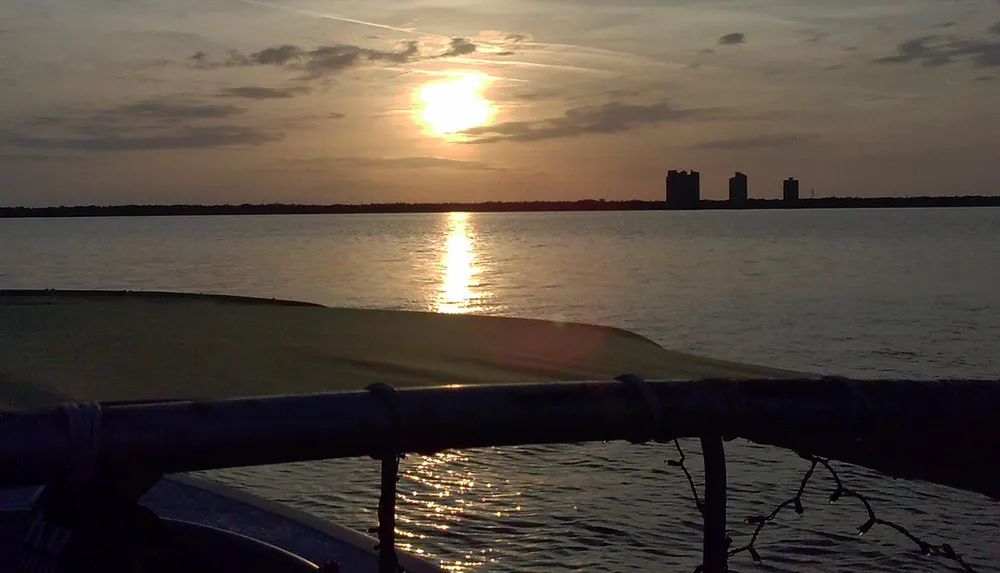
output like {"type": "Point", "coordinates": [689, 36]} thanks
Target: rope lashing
{"type": "Point", "coordinates": [84, 422]}
{"type": "Point", "coordinates": [651, 403]}
{"type": "Point", "coordinates": [388, 561]}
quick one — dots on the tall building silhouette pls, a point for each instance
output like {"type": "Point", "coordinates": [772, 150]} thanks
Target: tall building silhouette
{"type": "Point", "coordinates": [738, 190]}
{"type": "Point", "coordinates": [790, 190]}
{"type": "Point", "coordinates": [683, 189]}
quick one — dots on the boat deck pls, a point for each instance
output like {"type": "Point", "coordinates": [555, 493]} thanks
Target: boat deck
{"type": "Point", "coordinates": [207, 503]}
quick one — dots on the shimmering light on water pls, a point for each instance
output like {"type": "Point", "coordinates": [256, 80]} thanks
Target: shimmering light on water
{"type": "Point", "coordinates": [441, 491]}
{"type": "Point", "coordinates": [459, 280]}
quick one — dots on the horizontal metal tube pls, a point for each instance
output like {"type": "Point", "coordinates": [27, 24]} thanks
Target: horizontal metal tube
{"type": "Point", "coordinates": [185, 436]}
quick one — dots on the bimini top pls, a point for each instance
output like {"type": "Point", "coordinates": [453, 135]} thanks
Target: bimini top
{"type": "Point", "coordinates": [59, 346]}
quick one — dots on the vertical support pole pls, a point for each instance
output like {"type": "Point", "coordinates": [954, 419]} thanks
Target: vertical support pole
{"type": "Point", "coordinates": [716, 547]}
{"type": "Point", "coordinates": [387, 559]}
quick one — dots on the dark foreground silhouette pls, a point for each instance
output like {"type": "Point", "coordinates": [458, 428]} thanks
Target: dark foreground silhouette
{"type": "Point", "coordinates": [492, 206]}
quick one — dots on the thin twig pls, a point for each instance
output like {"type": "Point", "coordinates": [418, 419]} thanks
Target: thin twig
{"type": "Point", "coordinates": [679, 463]}
{"type": "Point", "coordinates": [944, 550]}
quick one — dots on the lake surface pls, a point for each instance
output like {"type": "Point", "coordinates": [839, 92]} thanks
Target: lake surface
{"type": "Point", "coordinates": [868, 293]}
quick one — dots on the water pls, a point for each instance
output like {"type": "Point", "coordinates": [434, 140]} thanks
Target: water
{"type": "Point", "coordinates": [869, 293]}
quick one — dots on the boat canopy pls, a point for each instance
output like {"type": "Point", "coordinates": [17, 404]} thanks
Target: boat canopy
{"type": "Point", "coordinates": [255, 382]}
{"type": "Point", "coordinates": [82, 346]}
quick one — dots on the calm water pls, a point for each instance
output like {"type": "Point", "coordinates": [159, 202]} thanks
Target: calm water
{"type": "Point", "coordinates": [867, 293]}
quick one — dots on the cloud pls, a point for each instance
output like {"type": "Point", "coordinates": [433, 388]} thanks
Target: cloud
{"type": "Point", "coordinates": [934, 51]}
{"type": "Point", "coordinates": [733, 38]}
{"type": "Point", "coordinates": [984, 78]}
{"type": "Point", "coordinates": [259, 92]}
{"type": "Point", "coordinates": [145, 125]}
{"type": "Point", "coordinates": [945, 25]}
{"type": "Point", "coordinates": [178, 138]}
{"type": "Point", "coordinates": [334, 58]}
{"type": "Point", "coordinates": [335, 115]}
{"type": "Point", "coordinates": [458, 47]}
{"type": "Point", "coordinates": [755, 142]}
{"type": "Point", "coordinates": [815, 37]}
{"type": "Point", "coordinates": [995, 28]}
{"type": "Point", "coordinates": [169, 110]}
{"type": "Point", "coordinates": [410, 162]}
{"type": "Point", "coordinates": [34, 158]}
{"type": "Point", "coordinates": [613, 117]}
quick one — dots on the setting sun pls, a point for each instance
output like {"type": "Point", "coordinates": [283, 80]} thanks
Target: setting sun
{"type": "Point", "coordinates": [454, 105]}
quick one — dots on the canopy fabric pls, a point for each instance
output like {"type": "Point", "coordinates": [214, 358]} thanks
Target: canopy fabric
{"type": "Point", "coordinates": [59, 346]}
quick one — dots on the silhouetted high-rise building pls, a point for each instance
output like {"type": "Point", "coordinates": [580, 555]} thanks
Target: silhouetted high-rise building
{"type": "Point", "coordinates": [738, 190]}
{"type": "Point", "coordinates": [790, 190]}
{"type": "Point", "coordinates": [683, 189]}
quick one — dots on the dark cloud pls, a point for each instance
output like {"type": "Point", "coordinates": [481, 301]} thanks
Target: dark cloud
{"type": "Point", "coordinates": [412, 162]}
{"type": "Point", "coordinates": [145, 125]}
{"type": "Point", "coordinates": [756, 142]}
{"type": "Point", "coordinates": [336, 115]}
{"type": "Point", "coordinates": [34, 157]}
{"type": "Point", "coordinates": [816, 37]}
{"type": "Point", "coordinates": [458, 47]}
{"type": "Point", "coordinates": [324, 60]}
{"type": "Point", "coordinates": [834, 67]}
{"type": "Point", "coordinates": [176, 138]}
{"type": "Point", "coordinates": [995, 28]}
{"type": "Point", "coordinates": [945, 25]}
{"type": "Point", "coordinates": [934, 51]}
{"type": "Point", "coordinates": [169, 110]}
{"type": "Point", "coordinates": [734, 38]}
{"type": "Point", "coordinates": [259, 92]}
{"type": "Point", "coordinates": [611, 117]}
{"type": "Point", "coordinates": [984, 78]}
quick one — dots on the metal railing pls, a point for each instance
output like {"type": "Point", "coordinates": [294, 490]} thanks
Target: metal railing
{"type": "Point", "coordinates": [850, 420]}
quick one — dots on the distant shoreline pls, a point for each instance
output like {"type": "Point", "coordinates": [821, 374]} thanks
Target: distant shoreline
{"type": "Point", "coordinates": [490, 207]}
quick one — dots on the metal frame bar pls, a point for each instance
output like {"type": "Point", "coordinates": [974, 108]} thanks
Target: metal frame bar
{"type": "Point", "coordinates": [834, 417]}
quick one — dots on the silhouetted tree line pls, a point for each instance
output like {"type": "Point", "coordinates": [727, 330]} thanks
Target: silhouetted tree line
{"type": "Point", "coordinates": [490, 206]}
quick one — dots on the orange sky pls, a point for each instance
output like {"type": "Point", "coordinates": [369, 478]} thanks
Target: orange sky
{"type": "Point", "coordinates": [315, 101]}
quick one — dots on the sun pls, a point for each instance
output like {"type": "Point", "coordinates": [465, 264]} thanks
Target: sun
{"type": "Point", "coordinates": [453, 105]}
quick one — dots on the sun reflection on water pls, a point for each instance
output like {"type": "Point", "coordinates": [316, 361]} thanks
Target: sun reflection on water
{"type": "Point", "coordinates": [459, 292]}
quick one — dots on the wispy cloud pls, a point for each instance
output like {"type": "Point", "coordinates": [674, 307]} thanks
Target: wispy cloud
{"type": "Point", "coordinates": [336, 17]}
{"type": "Point", "coordinates": [613, 117]}
{"type": "Point", "coordinates": [176, 138]}
{"type": "Point", "coordinates": [263, 93]}
{"type": "Point", "coordinates": [168, 110]}
{"type": "Point", "coordinates": [755, 142]}
{"type": "Point", "coordinates": [330, 59]}
{"type": "Point", "coordinates": [934, 51]}
{"type": "Point", "coordinates": [146, 125]}
{"type": "Point", "coordinates": [733, 38]}
{"type": "Point", "coordinates": [410, 163]}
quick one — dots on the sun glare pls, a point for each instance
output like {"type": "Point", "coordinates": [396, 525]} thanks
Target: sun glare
{"type": "Point", "coordinates": [453, 105]}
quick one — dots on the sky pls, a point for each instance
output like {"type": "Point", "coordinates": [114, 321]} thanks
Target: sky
{"type": "Point", "coordinates": [351, 101]}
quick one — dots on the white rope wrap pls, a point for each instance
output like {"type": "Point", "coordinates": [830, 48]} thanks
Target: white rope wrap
{"type": "Point", "coordinates": [84, 421]}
